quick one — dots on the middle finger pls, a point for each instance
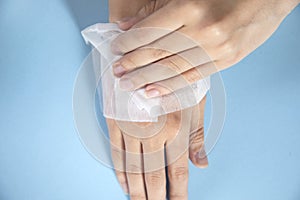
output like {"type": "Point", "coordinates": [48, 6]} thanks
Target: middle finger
{"type": "Point", "coordinates": [164, 69]}
{"type": "Point", "coordinates": [154, 169]}
{"type": "Point", "coordinates": [161, 48]}
{"type": "Point", "coordinates": [134, 168]}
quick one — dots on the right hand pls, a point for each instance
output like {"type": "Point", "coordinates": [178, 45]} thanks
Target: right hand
{"type": "Point", "coordinates": [227, 31]}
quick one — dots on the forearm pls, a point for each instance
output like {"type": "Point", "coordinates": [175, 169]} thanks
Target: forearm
{"type": "Point", "coordinates": [119, 9]}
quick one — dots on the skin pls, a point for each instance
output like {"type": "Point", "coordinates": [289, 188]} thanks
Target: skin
{"type": "Point", "coordinates": [139, 162]}
{"type": "Point", "coordinates": [224, 32]}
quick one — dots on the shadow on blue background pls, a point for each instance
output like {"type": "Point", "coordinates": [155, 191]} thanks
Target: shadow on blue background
{"type": "Point", "coordinates": [41, 157]}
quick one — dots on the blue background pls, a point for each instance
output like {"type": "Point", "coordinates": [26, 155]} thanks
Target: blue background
{"type": "Point", "coordinates": [41, 157]}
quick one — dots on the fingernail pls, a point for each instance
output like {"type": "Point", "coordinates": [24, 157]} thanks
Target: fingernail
{"type": "Point", "coordinates": [201, 160]}
{"type": "Point", "coordinates": [149, 87]}
{"type": "Point", "coordinates": [119, 70]}
{"type": "Point", "coordinates": [152, 93]}
{"type": "Point", "coordinates": [125, 19]}
{"type": "Point", "coordinates": [126, 84]}
{"type": "Point", "coordinates": [125, 188]}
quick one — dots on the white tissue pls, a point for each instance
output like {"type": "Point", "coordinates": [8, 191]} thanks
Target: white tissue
{"type": "Point", "coordinates": [133, 106]}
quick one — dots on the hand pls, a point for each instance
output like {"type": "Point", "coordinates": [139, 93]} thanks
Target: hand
{"type": "Point", "coordinates": [226, 31]}
{"type": "Point", "coordinates": [141, 151]}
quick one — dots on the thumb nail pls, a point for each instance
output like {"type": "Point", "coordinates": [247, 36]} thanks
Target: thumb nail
{"type": "Point", "coordinates": [201, 159]}
{"type": "Point", "coordinates": [123, 20]}
{"type": "Point", "coordinates": [126, 23]}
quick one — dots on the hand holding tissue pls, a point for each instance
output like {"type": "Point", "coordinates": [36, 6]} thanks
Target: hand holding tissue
{"type": "Point", "coordinates": [133, 106]}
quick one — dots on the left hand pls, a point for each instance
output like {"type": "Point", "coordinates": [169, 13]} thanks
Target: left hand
{"type": "Point", "coordinates": [142, 151]}
{"type": "Point", "coordinates": [226, 31]}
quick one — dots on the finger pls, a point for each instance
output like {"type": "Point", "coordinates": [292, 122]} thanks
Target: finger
{"type": "Point", "coordinates": [187, 78]}
{"type": "Point", "coordinates": [199, 157]}
{"type": "Point", "coordinates": [127, 23]}
{"type": "Point", "coordinates": [153, 27]}
{"type": "Point", "coordinates": [196, 149]}
{"type": "Point", "coordinates": [154, 166]}
{"type": "Point", "coordinates": [164, 69]}
{"type": "Point", "coordinates": [117, 153]}
{"type": "Point", "coordinates": [122, 179]}
{"type": "Point", "coordinates": [177, 159]}
{"type": "Point", "coordinates": [134, 168]}
{"type": "Point", "coordinates": [178, 178]}
{"type": "Point", "coordinates": [198, 115]}
{"type": "Point", "coordinates": [162, 48]}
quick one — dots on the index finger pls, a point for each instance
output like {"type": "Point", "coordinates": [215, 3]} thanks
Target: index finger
{"type": "Point", "coordinates": [162, 22]}
{"type": "Point", "coordinates": [178, 178]}
{"type": "Point", "coordinates": [177, 159]}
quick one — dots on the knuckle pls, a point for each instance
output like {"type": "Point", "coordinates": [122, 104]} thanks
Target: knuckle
{"type": "Point", "coordinates": [158, 53]}
{"type": "Point", "coordinates": [134, 168]}
{"type": "Point", "coordinates": [155, 178]}
{"type": "Point", "coordinates": [173, 63]}
{"type": "Point", "coordinates": [117, 153]}
{"type": "Point", "coordinates": [227, 48]}
{"type": "Point", "coordinates": [217, 30]}
{"type": "Point", "coordinates": [195, 11]}
{"type": "Point", "coordinates": [194, 7]}
{"type": "Point", "coordinates": [174, 118]}
{"type": "Point", "coordinates": [197, 136]}
{"type": "Point", "coordinates": [192, 75]}
{"type": "Point", "coordinates": [137, 196]}
{"type": "Point", "coordinates": [128, 62]}
{"type": "Point", "coordinates": [178, 173]}
{"type": "Point", "coordinates": [177, 117]}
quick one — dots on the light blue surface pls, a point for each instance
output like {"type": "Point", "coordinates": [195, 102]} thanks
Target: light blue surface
{"type": "Point", "coordinates": [41, 157]}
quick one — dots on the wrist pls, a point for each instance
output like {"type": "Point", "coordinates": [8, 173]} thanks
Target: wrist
{"type": "Point", "coordinates": [284, 7]}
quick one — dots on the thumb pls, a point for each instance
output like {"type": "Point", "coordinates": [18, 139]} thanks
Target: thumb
{"type": "Point", "coordinates": [197, 152]}
{"type": "Point", "coordinates": [128, 22]}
